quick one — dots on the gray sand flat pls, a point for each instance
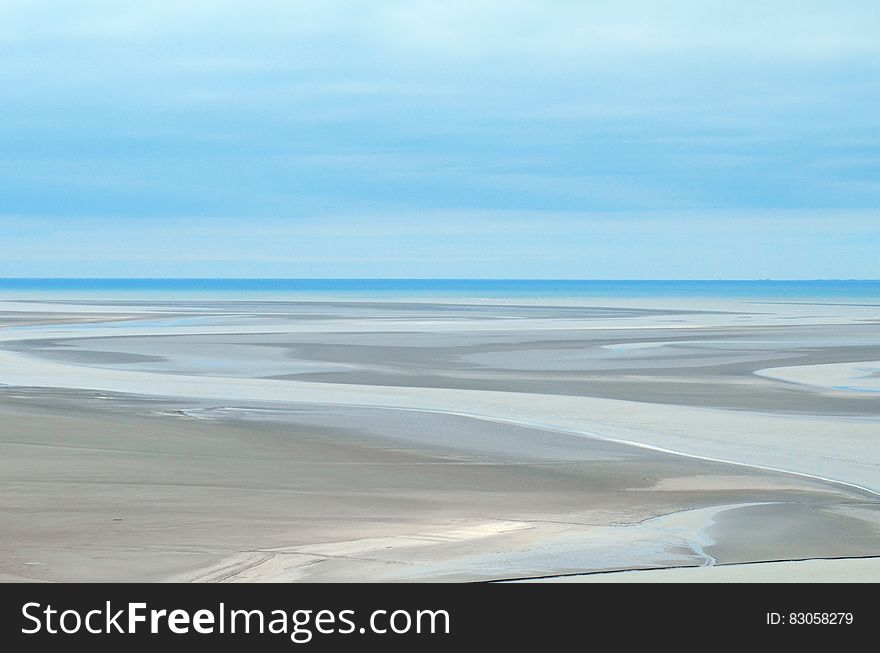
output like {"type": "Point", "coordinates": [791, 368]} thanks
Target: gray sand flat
{"type": "Point", "coordinates": [100, 485]}
{"type": "Point", "coordinates": [704, 367]}
{"type": "Point", "coordinates": [97, 493]}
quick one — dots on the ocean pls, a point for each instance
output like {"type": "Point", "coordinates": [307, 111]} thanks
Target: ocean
{"type": "Point", "coordinates": [471, 289]}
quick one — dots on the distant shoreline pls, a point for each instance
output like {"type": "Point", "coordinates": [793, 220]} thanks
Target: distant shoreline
{"type": "Point", "coordinates": [821, 289]}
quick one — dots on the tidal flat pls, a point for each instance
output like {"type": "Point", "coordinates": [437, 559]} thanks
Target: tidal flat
{"type": "Point", "coordinates": [398, 440]}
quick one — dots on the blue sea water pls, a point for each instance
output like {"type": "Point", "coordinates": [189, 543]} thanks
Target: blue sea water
{"type": "Point", "coordinates": [806, 290]}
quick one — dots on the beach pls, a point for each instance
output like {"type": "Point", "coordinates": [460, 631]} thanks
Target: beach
{"type": "Point", "coordinates": [443, 439]}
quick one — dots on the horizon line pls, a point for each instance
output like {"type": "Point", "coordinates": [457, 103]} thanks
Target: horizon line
{"type": "Point", "coordinates": [556, 279]}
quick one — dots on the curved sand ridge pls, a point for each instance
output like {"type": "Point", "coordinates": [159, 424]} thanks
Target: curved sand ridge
{"type": "Point", "coordinates": [861, 377]}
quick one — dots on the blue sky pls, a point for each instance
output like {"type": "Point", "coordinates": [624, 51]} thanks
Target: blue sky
{"type": "Point", "coordinates": [440, 139]}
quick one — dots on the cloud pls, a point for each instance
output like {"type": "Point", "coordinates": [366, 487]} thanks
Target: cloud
{"type": "Point", "coordinates": [279, 114]}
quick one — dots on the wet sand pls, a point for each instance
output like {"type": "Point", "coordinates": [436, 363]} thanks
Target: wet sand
{"type": "Point", "coordinates": [285, 441]}
{"type": "Point", "coordinates": [840, 570]}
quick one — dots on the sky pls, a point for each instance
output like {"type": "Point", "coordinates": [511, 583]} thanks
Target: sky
{"type": "Point", "coordinates": [452, 139]}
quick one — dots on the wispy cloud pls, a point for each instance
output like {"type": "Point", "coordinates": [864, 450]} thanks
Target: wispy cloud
{"type": "Point", "coordinates": [391, 119]}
